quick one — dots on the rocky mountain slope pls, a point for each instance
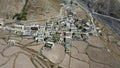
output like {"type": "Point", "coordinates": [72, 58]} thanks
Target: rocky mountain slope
{"type": "Point", "coordinates": [106, 7]}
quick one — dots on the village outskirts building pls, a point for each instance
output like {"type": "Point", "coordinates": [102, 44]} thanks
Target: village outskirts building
{"type": "Point", "coordinates": [40, 38]}
{"type": "Point", "coordinates": [11, 42]}
{"type": "Point", "coordinates": [70, 19]}
{"type": "Point", "coordinates": [27, 31]}
{"type": "Point", "coordinates": [73, 28]}
{"type": "Point", "coordinates": [48, 46]}
{"type": "Point", "coordinates": [42, 29]}
{"type": "Point", "coordinates": [19, 27]}
{"type": "Point", "coordinates": [49, 26]}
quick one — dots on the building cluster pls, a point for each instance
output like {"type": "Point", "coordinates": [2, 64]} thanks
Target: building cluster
{"type": "Point", "coordinates": [62, 31]}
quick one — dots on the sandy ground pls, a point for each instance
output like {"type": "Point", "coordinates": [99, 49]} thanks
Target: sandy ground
{"type": "Point", "coordinates": [83, 55]}
{"type": "Point", "coordinates": [23, 61]}
{"type": "Point", "coordinates": [36, 47]}
{"type": "Point", "coordinates": [78, 64]}
{"type": "Point", "coordinates": [56, 54]}
{"type": "Point", "coordinates": [95, 41]}
{"type": "Point", "coordinates": [65, 63]}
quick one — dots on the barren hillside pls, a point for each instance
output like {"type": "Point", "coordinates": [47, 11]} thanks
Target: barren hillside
{"type": "Point", "coordinates": [106, 7]}
{"type": "Point", "coordinates": [37, 9]}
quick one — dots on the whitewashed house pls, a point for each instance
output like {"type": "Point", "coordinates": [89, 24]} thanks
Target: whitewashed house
{"type": "Point", "coordinates": [11, 42]}
{"type": "Point", "coordinates": [48, 28]}
{"type": "Point", "coordinates": [71, 20]}
{"type": "Point", "coordinates": [47, 33]}
{"type": "Point", "coordinates": [27, 31]}
{"type": "Point", "coordinates": [42, 28]}
{"type": "Point", "coordinates": [49, 24]}
{"type": "Point", "coordinates": [68, 25]}
{"type": "Point", "coordinates": [73, 28]}
{"type": "Point", "coordinates": [40, 38]}
{"type": "Point", "coordinates": [68, 34]}
{"type": "Point", "coordinates": [18, 27]}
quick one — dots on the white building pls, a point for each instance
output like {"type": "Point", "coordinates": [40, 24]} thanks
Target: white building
{"type": "Point", "coordinates": [11, 42]}
{"type": "Point", "coordinates": [70, 19]}
{"type": "Point", "coordinates": [73, 28]}
{"type": "Point", "coordinates": [56, 28]}
{"type": "Point", "coordinates": [27, 30]}
{"type": "Point", "coordinates": [62, 23]}
{"type": "Point", "coordinates": [48, 28]}
{"type": "Point", "coordinates": [47, 34]}
{"type": "Point", "coordinates": [18, 27]}
{"type": "Point", "coordinates": [68, 35]}
{"type": "Point", "coordinates": [40, 38]}
{"type": "Point", "coordinates": [49, 24]}
{"type": "Point", "coordinates": [68, 25]}
{"type": "Point", "coordinates": [42, 28]}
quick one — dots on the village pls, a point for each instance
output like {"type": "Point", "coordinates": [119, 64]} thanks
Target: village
{"type": "Point", "coordinates": [62, 31]}
{"type": "Point", "coordinates": [61, 35]}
